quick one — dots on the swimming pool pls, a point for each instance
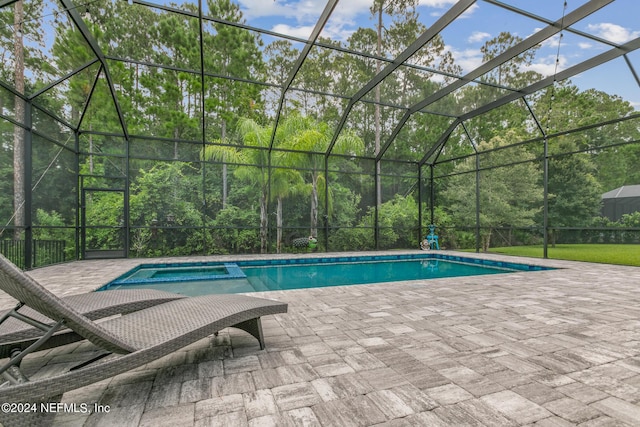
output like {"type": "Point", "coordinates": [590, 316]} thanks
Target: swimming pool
{"type": "Point", "coordinates": [284, 274]}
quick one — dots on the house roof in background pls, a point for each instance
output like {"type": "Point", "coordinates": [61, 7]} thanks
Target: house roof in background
{"type": "Point", "coordinates": [626, 191]}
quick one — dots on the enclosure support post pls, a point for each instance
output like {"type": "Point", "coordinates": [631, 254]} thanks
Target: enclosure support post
{"type": "Point", "coordinates": [127, 183]}
{"type": "Point", "coordinates": [79, 184]}
{"type": "Point", "coordinates": [545, 214]}
{"type": "Point", "coordinates": [325, 218]}
{"type": "Point", "coordinates": [376, 231]}
{"type": "Point", "coordinates": [432, 195]}
{"type": "Point", "coordinates": [203, 211]}
{"type": "Point", "coordinates": [269, 236]}
{"type": "Point", "coordinates": [545, 174]}
{"type": "Point", "coordinates": [477, 200]}
{"type": "Point", "coordinates": [419, 203]}
{"type": "Point", "coordinates": [28, 196]}
{"type": "Point", "coordinates": [475, 150]}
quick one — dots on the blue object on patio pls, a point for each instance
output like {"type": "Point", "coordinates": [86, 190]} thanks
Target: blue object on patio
{"type": "Point", "coordinates": [430, 240]}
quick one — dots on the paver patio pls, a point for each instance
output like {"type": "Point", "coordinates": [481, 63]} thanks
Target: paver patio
{"type": "Point", "coordinates": [546, 348]}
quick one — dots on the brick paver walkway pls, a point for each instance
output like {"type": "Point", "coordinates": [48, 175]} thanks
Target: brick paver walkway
{"type": "Point", "coordinates": [548, 348]}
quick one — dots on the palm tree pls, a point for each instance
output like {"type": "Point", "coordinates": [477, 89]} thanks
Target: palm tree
{"type": "Point", "coordinates": [255, 157]}
{"type": "Point", "coordinates": [284, 183]}
{"type": "Point", "coordinates": [310, 140]}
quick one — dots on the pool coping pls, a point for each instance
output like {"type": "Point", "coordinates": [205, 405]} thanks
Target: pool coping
{"type": "Point", "coordinates": [80, 276]}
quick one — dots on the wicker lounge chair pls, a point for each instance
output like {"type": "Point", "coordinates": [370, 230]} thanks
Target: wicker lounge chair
{"type": "Point", "coordinates": [18, 335]}
{"type": "Point", "coordinates": [134, 339]}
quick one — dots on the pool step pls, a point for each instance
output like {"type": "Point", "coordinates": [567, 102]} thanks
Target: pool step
{"type": "Point", "coordinates": [233, 271]}
{"type": "Point", "coordinates": [142, 277]}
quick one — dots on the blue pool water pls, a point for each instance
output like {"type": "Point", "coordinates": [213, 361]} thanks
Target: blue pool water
{"type": "Point", "coordinates": [322, 275]}
{"type": "Point", "coordinates": [284, 274]}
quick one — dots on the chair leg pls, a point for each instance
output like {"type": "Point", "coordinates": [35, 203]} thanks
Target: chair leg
{"type": "Point", "coordinates": [254, 327]}
{"type": "Point", "coordinates": [13, 374]}
{"type": "Point", "coordinates": [11, 369]}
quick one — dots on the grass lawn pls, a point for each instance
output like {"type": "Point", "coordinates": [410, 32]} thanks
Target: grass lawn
{"type": "Point", "coordinates": [608, 254]}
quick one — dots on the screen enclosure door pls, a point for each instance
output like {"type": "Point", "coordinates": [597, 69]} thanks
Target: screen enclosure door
{"type": "Point", "coordinates": [103, 231]}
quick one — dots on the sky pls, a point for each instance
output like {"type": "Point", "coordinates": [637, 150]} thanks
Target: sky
{"type": "Point", "coordinates": [483, 21]}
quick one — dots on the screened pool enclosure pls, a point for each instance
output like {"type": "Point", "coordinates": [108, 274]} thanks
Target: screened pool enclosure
{"type": "Point", "coordinates": [147, 128]}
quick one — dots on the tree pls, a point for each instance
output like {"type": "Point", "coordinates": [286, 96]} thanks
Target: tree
{"type": "Point", "coordinates": [308, 139]}
{"type": "Point", "coordinates": [353, 71]}
{"type": "Point", "coordinates": [15, 54]}
{"type": "Point", "coordinates": [511, 73]}
{"type": "Point", "coordinates": [254, 161]}
{"type": "Point", "coordinates": [280, 56]}
{"type": "Point", "coordinates": [301, 138]}
{"type": "Point", "coordinates": [160, 198]}
{"type": "Point", "coordinates": [574, 193]}
{"type": "Point", "coordinates": [614, 153]}
{"type": "Point", "coordinates": [127, 31]}
{"type": "Point", "coordinates": [398, 219]}
{"type": "Point", "coordinates": [378, 9]}
{"type": "Point", "coordinates": [509, 195]}
{"type": "Point", "coordinates": [176, 101]}
{"type": "Point", "coordinates": [231, 51]}
{"type": "Point", "coordinates": [19, 132]}
{"type": "Point", "coordinates": [316, 76]}
{"type": "Point", "coordinates": [397, 26]}
{"type": "Point", "coordinates": [232, 230]}
{"type": "Point", "coordinates": [284, 183]}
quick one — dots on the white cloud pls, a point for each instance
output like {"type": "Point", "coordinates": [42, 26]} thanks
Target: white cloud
{"type": "Point", "coordinates": [437, 3]}
{"type": "Point", "coordinates": [298, 17]}
{"type": "Point", "coordinates": [438, 78]}
{"type": "Point", "coordinates": [547, 65]}
{"type": "Point", "coordinates": [440, 4]}
{"type": "Point", "coordinates": [333, 31]}
{"type": "Point", "coordinates": [478, 36]}
{"type": "Point", "coordinates": [585, 45]}
{"type": "Point", "coordinates": [613, 32]}
{"type": "Point", "coordinates": [302, 11]}
{"type": "Point", "coordinates": [467, 13]}
{"type": "Point", "coordinates": [258, 8]}
{"type": "Point", "coordinates": [551, 42]}
{"type": "Point", "coordinates": [468, 59]}
{"type": "Point", "coordinates": [303, 31]}
{"type": "Point", "coordinates": [349, 10]}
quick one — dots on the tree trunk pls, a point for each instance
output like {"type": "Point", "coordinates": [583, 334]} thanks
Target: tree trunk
{"type": "Point", "coordinates": [90, 148]}
{"type": "Point", "coordinates": [225, 184]}
{"type": "Point", "coordinates": [314, 205]}
{"type": "Point", "coordinates": [279, 223]}
{"type": "Point", "coordinates": [264, 223]}
{"type": "Point", "coordinates": [486, 241]}
{"type": "Point", "coordinates": [18, 132]}
{"type": "Point", "coordinates": [176, 135]}
{"type": "Point", "coordinates": [376, 118]}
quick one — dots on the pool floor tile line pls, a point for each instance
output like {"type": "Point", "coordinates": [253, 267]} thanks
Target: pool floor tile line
{"type": "Point", "coordinates": [548, 347]}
